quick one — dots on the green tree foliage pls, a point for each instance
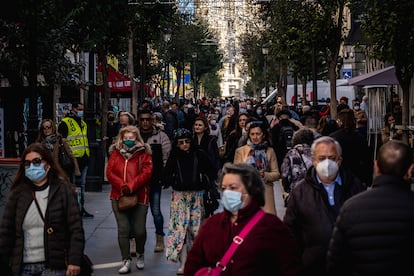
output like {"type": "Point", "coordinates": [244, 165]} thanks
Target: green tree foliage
{"type": "Point", "coordinates": [35, 38]}
{"type": "Point", "coordinates": [211, 84]}
{"type": "Point", "coordinates": [389, 25]}
{"type": "Point", "coordinates": [188, 39]}
{"type": "Point", "coordinates": [297, 27]}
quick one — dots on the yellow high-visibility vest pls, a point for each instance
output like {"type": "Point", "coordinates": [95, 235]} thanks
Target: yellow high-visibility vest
{"type": "Point", "coordinates": [77, 137]}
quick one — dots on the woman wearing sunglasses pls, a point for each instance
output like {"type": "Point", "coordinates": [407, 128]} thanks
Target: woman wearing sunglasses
{"type": "Point", "coordinates": [41, 231]}
{"type": "Point", "coordinates": [182, 172]}
{"type": "Point", "coordinates": [49, 136]}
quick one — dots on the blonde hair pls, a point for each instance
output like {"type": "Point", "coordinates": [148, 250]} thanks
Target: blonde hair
{"type": "Point", "coordinates": [137, 134]}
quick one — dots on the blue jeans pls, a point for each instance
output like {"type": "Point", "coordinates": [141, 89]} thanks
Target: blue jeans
{"type": "Point", "coordinates": [155, 205]}
{"type": "Point", "coordinates": [134, 219]}
{"type": "Point", "coordinates": [39, 269]}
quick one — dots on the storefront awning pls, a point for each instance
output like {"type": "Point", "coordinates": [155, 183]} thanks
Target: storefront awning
{"type": "Point", "coordinates": [117, 82]}
{"type": "Point", "coordinates": [384, 76]}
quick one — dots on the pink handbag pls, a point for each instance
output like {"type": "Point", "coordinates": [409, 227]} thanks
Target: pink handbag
{"type": "Point", "coordinates": [237, 240]}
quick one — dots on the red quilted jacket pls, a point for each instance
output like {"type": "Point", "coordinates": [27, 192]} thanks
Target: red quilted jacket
{"type": "Point", "coordinates": [130, 172]}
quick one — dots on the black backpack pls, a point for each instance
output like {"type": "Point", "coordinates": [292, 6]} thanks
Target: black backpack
{"type": "Point", "coordinates": [285, 136]}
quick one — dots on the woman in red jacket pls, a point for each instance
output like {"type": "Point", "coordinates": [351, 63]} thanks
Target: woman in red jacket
{"type": "Point", "coordinates": [129, 171]}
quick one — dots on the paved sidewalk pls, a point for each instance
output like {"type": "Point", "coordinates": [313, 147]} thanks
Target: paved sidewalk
{"type": "Point", "coordinates": [101, 236]}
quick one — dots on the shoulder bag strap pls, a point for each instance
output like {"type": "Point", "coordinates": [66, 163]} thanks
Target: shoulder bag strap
{"type": "Point", "coordinates": [38, 207]}
{"type": "Point", "coordinates": [237, 240]}
{"type": "Point", "coordinates": [301, 157]}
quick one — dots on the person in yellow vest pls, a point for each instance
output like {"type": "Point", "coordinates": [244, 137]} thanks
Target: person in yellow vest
{"type": "Point", "coordinates": [74, 129]}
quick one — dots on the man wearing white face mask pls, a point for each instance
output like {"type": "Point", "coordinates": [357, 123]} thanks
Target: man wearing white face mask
{"type": "Point", "coordinates": [315, 201]}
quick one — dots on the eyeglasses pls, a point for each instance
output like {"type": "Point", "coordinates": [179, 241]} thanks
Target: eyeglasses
{"type": "Point", "coordinates": [145, 119]}
{"type": "Point", "coordinates": [35, 161]}
{"type": "Point", "coordinates": [186, 141]}
{"type": "Point", "coordinates": [47, 127]}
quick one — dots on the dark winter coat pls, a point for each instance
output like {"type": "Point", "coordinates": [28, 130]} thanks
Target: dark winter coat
{"type": "Point", "coordinates": [280, 147]}
{"type": "Point", "coordinates": [356, 154]}
{"type": "Point", "coordinates": [64, 244]}
{"type": "Point", "coordinates": [161, 148]}
{"type": "Point", "coordinates": [374, 232]}
{"type": "Point", "coordinates": [181, 174]}
{"type": "Point", "coordinates": [311, 218]}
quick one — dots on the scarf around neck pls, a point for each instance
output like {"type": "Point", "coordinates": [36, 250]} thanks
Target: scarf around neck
{"type": "Point", "coordinates": [48, 141]}
{"type": "Point", "coordinates": [128, 152]}
{"type": "Point", "coordinates": [257, 155]}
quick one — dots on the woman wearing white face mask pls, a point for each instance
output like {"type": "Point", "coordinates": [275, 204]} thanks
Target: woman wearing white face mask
{"type": "Point", "coordinates": [268, 249]}
{"type": "Point", "coordinates": [41, 231]}
{"type": "Point", "coordinates": [315, 201]}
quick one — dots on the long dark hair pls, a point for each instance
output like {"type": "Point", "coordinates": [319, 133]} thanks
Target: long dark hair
{"type": "Point", "coordinates": [55, 171]}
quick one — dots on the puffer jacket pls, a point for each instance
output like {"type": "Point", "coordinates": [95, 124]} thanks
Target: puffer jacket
{"type": "Point", "coordinates": [63, 231]}
{"type": "Point", "coordinates": [135, 172]}
{"type": "Point", "coordinates": [373, 234]}
{"type": "Point", "coordinates": [311, 218]}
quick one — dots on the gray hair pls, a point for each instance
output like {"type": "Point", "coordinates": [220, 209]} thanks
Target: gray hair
{"type": "Point", "coordinates": [326, 140]}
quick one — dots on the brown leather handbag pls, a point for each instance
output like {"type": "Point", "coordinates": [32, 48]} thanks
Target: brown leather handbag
{"type": "Point", "coordinates": [126, 202]}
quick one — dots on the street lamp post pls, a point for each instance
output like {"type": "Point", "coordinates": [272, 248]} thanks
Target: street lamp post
{"type": "Point", "coordinates": [167, 38]}
{"type": "Point", "coordinates": [194, 56]}
{"type": "Point", "coordinates": [265, 52]}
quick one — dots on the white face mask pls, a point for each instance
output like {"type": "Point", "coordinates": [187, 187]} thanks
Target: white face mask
{"type": "Point", "coordinates": [327, 168]}
{"type": "Point", "coordinates": [356, 107]}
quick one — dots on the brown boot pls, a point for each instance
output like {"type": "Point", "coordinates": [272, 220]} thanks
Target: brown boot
{"type": "Point", "coordinates": [159, 245]}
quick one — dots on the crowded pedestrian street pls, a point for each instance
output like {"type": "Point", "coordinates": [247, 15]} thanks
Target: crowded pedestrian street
{"type": "Point", "coordinates": [101, 236]}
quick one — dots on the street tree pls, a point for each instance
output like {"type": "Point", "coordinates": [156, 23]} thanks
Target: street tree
{"type": "Point", "coordinates": [389, 26]}
{"type": "Point", "coordinates": [35, 37]}
{"type": "Point", "coordinates": [188, 40]}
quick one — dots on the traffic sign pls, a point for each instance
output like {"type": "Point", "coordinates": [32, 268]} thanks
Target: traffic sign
{"type": "Point", "coordinates": [346, 73]}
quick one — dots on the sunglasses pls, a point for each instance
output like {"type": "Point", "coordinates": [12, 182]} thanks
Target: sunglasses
{"type": "Point", "coordinates": [35, 161]}
{"type": "Point", "coordinates": [186, 141]}
{"type": "Point", "coordinates": [145, 119]}
{"type": "Point", "coordinates": [47, 127]}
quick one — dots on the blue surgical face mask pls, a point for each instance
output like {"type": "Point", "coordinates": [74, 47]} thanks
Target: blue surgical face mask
{"type": "Point", "coordinates": [129, 143]}
{"type": "Point", "coordinates": [232, 200]}
{"type": "Point", "coordinates": [80, 113]}
{"type": "Point", "coordinates": [242, 110]}
{"type": "Point", "coordinates": [259, 112]}
{"type": "Point", "coordinates": [36, 173]}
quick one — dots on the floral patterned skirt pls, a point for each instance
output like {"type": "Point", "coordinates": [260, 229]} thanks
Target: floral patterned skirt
{"type": "Point", "coordinates": [186, 215]}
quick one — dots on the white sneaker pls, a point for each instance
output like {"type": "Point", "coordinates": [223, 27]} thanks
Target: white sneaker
{"type": "Point", "coordinates": [126, 267]}
{"type": "Point", "coordinates": [180, 271]}
{"type": "Point", "coordinates": [140, 262]}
